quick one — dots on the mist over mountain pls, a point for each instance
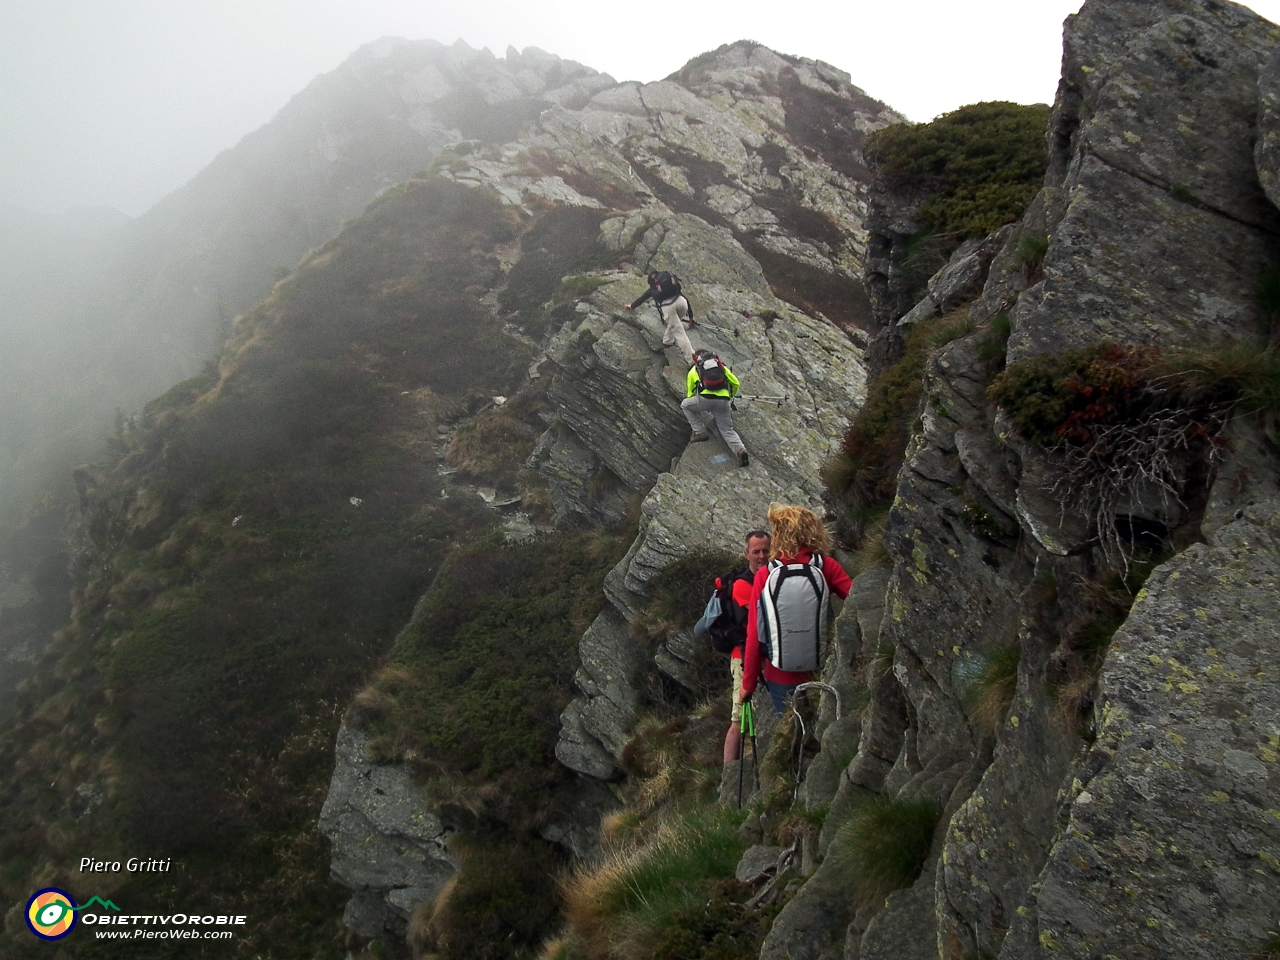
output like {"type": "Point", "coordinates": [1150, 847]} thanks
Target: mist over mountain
{"type": "Point", "coordinates": [100, 312]}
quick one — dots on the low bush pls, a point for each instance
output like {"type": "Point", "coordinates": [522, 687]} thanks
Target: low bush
{"type": "Point", "coordinates": [865, 473]}
{"type": "Point", "coordinates": [883, 845]}
{"type": "Point", "coordinates": [500, 905]}
{"type": "Point", "coordinates": [1129, 421]}
{"type": "Point", "coordinates": [480, 676]}
{"type": "Point", "coordinates": [678, 594]}
{"type": "Point", "coordinates": [981, 164]}
{"type": "Point", "coordinates": [723, 928]}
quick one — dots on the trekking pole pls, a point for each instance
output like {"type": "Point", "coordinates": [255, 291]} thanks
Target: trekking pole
{"type": "Point", "coordinates": [754, 396]}
{"type": "Point", "coordinates": [742, 716]}
{"type": "Point", "coordinates": [749, 720]}
{"type": "Point", "coordinates": [712, 326]}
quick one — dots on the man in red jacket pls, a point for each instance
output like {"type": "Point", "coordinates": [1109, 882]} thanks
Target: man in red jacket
{"type": "Point", "coordinates": [798, 535]}
{"type": "Point", "coordinates": [757, 554]}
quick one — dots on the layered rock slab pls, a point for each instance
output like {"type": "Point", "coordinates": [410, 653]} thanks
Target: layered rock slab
{"type": "Point", "coordinates": [1172, 840]}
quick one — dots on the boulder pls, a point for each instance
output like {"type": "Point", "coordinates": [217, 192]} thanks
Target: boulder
{"type": "Point", "coordinates": [389, 847]}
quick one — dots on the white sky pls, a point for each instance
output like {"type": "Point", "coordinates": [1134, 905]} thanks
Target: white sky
{"type": "Point", "coordinates": [118, 102]}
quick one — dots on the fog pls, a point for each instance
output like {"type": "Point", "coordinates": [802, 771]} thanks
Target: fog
{"type": "Point", "coordinates": [119, 102]}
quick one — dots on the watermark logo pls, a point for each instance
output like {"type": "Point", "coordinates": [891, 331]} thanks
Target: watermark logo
{"type": "Point", "coordinates": [51, 913]}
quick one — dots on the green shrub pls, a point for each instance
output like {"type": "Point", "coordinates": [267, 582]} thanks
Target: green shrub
{"type": "Point", "coordinates": [981, 522]}
{"type": "Point", "coordinates": [883, 845]}
{"type": "Point", "coordinates": [982, 163]}
{"type": "Point", "coordinates": [1066, 397]}
{"type": "Point", "coordinates": [865, 473]}
{"type": "Point", "coordinates": [475, 689]}
{"type": "Point", "coordinates": [500, 906]}
{"type": "Point", "coordinates": [723, 928]}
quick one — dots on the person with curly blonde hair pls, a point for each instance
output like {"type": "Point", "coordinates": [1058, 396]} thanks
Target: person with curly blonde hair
{"type": "Point", "coordinates": [798, 537]}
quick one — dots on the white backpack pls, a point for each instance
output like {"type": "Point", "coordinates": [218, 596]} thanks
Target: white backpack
{"type": "Point", "coordinates": [792, 616]}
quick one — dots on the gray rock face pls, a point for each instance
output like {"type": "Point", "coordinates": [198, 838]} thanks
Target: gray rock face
{"type": "Point", "coordinates": [703, 500]}
{"type": "Point", "coordinates": [1172, 830]}
{"type": "Point", "coordinates": [723, 165]}
{"type": "Point", "coordinates": [388, 847]}
{"type": "Point", "coordinates": [1138, 845]}
{"type": "Point", "coordinates": [1159, 227]}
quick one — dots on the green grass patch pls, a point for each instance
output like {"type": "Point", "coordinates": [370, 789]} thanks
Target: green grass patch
{"type": "Point", "coordinates": [884, 844]}
{"type": "Point", "coordinates": [579, 287]}
{"type": "Point", "coordinates": [627, 906]}
{"type": "Point", "coordinates": [991, 680]}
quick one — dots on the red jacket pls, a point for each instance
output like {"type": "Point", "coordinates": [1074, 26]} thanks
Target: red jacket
{"type": "Point", "coordinates": [839, 583]}
{"type": "Point", "coordinates": [742, 590]}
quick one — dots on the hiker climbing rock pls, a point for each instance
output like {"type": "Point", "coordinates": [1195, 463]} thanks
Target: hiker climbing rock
{"type": "Point", "coordinates": [709, 388]}
{"type": "Point", "coordinates": [787, 616]}
{"type": "Point", "coordinates": [673, 307]}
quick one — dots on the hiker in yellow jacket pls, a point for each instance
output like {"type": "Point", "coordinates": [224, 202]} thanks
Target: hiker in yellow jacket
{"type": "Point", "coordinates": [709, 388]}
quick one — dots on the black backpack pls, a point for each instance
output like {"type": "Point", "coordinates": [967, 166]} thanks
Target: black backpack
{"type": "Point", "coordinates": [668, 285]}
{"type": "Point", "coordinates": [711, 371]}
{"type": "Point", "coordinates": [729, 630]}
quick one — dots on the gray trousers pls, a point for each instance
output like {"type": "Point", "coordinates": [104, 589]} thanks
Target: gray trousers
{"type": "Point", "coordinates": [719, 408]}
{"type": "Point", "coordinates": [674, 314]}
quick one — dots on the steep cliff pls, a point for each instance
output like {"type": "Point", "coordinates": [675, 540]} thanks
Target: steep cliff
{"type": "Point", "coordinates": [1119, 809]}
{"type": "Point", "coordinates": [101, 316]}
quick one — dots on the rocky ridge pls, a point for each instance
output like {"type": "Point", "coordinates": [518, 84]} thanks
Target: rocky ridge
{"type": "Point", "coordinates": [696, 174]}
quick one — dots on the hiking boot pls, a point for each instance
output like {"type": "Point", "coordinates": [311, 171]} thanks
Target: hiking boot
{"type": "Point", "coordinates": [699, 438]}
{"type": "Point", "coordinates": [743, 459]}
